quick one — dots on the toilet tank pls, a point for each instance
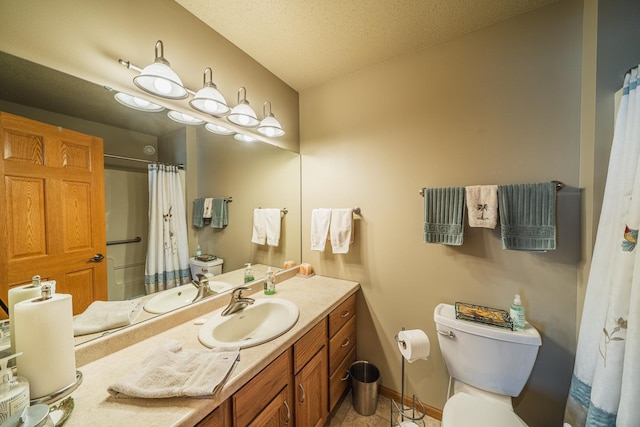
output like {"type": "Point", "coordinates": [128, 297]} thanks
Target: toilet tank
{"type": "Point", "coordinates": [491, 358]}
{"type": "Point", "coordinates": [213, 267]}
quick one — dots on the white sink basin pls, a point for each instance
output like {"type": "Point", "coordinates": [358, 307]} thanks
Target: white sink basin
{"type": "Point", "coordinates": [179, 297]}
{"type": "Point", "coordinates": [264, 320]}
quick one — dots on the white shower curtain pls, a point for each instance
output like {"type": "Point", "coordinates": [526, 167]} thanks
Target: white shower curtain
{"type": "Point", "coordinates": [167, 263]}
{"type": "Point", "coordinates": [605, 388]}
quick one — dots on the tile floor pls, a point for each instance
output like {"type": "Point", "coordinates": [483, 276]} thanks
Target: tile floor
{"type": "Point", "coordinates": [346, 416]}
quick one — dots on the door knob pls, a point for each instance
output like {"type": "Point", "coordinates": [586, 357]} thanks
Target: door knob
{"type": "Point", "coordinates": [96, 258]}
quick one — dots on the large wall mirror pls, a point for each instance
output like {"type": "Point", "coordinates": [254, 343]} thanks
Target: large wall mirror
{"type": "Point", "coordinates": [253, 175]}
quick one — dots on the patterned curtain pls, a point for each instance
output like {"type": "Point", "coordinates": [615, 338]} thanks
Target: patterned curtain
{"type": "Point", "coordinates": [605, 387]}
{"type": "Point", "coordinates": [167, 264]}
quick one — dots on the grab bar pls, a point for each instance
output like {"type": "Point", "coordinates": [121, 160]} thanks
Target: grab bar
{"type": "Point", "coordinates": [120, 242]}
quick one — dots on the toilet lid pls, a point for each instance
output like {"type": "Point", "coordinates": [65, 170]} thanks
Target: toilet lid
{"type": "Point", "coordinates": [463, 410]}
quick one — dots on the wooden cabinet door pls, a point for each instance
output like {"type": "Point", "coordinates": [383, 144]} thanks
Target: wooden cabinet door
{"type": "Point", "coordinates": [52, 215]}
{"type": "Point", "coordinates": [277, 413]}
{"type": "Point", "coordinates": [311, 390]}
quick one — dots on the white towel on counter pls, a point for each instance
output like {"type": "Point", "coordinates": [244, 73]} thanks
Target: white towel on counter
{"type": "Point", "coordinates": [104, 315]}
{"type": "Point", "coordinates": [320, 220]}
{"type": "Point", "coordinates": [207, 209]}
{"type": "Point", "coordinates": [172, 371]}
{"type": "Point", "coordinates": [482, 205]}
{"type": "Point", "coordinates": [259, 235]}
{"type": "Point", "coordinates": [341, 230]}
{"type": "Point", "coordinates": [272, 217]}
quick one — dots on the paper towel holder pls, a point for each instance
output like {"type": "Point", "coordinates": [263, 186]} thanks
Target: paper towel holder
{"type": "Point", "coordinates": [59, 394]}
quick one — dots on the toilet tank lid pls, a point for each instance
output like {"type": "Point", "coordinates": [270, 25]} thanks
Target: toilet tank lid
{"type": "Point", "coordinates": [445, 315]}
{"type": "Point", "coordinates": [214, 262]}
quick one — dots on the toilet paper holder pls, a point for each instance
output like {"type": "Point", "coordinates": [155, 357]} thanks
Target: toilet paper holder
{"type": "Point", "coordinates": [416, 411]}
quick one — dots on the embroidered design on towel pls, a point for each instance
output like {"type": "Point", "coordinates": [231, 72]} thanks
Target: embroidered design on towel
{"type": "Point", "coordinates": [482, 207]}
{"type": "Point", "coordinates": [630, 239]}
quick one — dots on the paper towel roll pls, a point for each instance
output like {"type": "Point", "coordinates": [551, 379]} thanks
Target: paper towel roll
{"type": "Point", "coordinates": [17, 294]}
{"type": "Point", "coordinates": [414, 344]}
{"type": "Point", "coordinates": [44, 335]}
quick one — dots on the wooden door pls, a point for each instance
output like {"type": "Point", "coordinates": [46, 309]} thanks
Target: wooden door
{"type": "Point", "coordinates": [52, 218]}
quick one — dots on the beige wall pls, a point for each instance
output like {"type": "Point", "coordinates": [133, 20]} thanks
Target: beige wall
{"type": "Point", "coordinates": [86, 39]}
{"type": "Point", "coordinates": [500, 105]}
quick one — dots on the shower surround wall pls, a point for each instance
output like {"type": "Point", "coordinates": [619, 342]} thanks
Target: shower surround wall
{"type": "Point", "coordinates": [499, 105]}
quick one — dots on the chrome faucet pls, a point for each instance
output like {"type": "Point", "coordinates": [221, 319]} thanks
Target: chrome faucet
{"type": "Point", "coordinates": [202, 285]}
{"type": "Point", "coordinates": [238, 302]}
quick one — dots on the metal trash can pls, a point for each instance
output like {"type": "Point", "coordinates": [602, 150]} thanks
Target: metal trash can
{"type": "Point", "coordinates": [364, 382]}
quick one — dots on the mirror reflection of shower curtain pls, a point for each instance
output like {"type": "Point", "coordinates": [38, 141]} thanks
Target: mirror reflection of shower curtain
{"type": "Point", "coordinates": [167, 263]}
{"type": "Point", "coordinates": [606, 378]}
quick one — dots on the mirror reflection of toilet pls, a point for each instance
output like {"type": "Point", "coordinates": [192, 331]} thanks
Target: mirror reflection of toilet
{"type": "Point", "coordinates": [488, 366]}
{"type": "Point", "coordinates": [208, 268]}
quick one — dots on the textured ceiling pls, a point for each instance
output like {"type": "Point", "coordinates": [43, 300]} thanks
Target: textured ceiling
{"type": "Point", "coordinates": [308, 42]}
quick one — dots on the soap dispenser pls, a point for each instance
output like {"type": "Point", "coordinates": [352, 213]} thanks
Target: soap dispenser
{"type": "Point", "coordinates": [198, 251]}
{"type": "Point", "coordinates": [248, 273]}
{"type": "Point", "coordinates": [270, 283]}
{"type": "Point", "coordinates": [14, 391]}
{"type": "Point", "coordinates": [517, 313]}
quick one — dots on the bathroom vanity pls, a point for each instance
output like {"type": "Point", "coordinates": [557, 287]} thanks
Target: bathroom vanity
{"type": "Point", "coordinates": [295, 379]}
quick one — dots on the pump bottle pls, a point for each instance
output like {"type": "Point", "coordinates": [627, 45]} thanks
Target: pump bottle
{"type": "Point", "coordinates": [248, 273]}
{"type": "Point", "coordinates": [270, 283]}
{"type": "Point", "coordinates": [517, 314]}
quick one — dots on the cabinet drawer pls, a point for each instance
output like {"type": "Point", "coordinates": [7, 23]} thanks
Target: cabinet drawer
{"type": "Point", "coordinates": [255, 395]}
{"type": "Point", "coordinates": [341, 315]}
{"type": "Point", "coordinates": [307, 346]}
{"type": "Point", "coordinates": [341, 344]}
{"type": "Point", "coordinates": [339, 380]}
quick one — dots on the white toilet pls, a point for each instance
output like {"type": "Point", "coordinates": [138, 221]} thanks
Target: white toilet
{"type": "Point", "coordinates": [208, 268]}
{"type": "Point", "coordinates": [488, 365]}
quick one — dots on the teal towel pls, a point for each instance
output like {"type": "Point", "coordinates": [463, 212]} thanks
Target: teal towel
{"type": "Point", "coordinates": [528, 216]}
{"type": "Point", "coordinates": [219, 214]}
{"type": "Point", "coordinates": [198, 210]}
{"type": "Point", "coordinates": [443, 215]}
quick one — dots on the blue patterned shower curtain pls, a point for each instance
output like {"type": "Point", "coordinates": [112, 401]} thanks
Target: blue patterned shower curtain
{"type": "Point", "coordinates": [167, 264]}
{"type": "Point", "coordinates": [605, 388]}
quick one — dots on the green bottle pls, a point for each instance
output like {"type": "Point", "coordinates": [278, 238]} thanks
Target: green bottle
{"type": "Point", "coordinates": [248, 273]}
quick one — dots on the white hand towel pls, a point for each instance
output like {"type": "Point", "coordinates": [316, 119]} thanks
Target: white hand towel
{"type": "Point", "coordinates": [272, 226]}
{"type": "Point", "coordinates": [482, 205]}
{"type": "Point", "coordinates": [341, 230]}
{"type": "Point", "coordinates": [320, 219]}
{"type": "Point", "coordinates": [171, 371]}
{"type": "Point", "coordinates": [259, 235]}
{"type": "Point", "coordinates": [104, 315]}
{"type": "Point", "coordinates": [207, 210]}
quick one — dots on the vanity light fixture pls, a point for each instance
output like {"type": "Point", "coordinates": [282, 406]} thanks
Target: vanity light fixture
{"type": "Point", "coordinates": [220, 130]}
{"type": "Point", "coordinates": [269, 126]}
{"type": "Point", "coordinates": [244, 138]}
{"type": "Point", "coordinates": [184, 118]}
{"type": "Point", "coordinates": [208, 99]}
{"type": "Point", "coordinates": [137, 103]}
{"type": "Point", "coordinates": [242, 114]}
{"type": "Point", "coordinates": [159, 79]}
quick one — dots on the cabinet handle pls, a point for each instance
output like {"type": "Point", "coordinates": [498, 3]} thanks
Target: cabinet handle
{"type": "Point", "coordinates": [303, 397]}
{"type": "Point", "coordinates": [286, 405]}
{"type": "Point", "coordinates": [346, 377]}
{"type": "Point", "coordinates": [346, 343]}
{"type": "Point", "coordinates": [345, 314]}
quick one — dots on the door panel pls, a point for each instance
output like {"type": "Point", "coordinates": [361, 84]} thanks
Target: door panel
{"type": "Point", "coordinates": [52, 209]}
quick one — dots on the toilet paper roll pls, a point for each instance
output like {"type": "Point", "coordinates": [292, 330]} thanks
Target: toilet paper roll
{"type": "Point", "coordinates": [44, 335]}
{"type": "Point", "coordinates": [414, 344]}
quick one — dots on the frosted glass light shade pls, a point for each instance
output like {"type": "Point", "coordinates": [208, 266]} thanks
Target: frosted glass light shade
{"type": "Point", "coordinates": [210, 101]}
{"type": "Point", "coordinates": [220, 130]}
{"type": "Point", "coordinates": [183, 118]}
{"type": "Point", "coordinates": [243, 115]}
{"type": "Point", "coordinates": [159, 79]}
{"type": "Point", "coordinates": [244, 138]}
{"type": "Point", "coordinates": [137, 103]}
{"type": "Point", "coordinates": [271, 127]}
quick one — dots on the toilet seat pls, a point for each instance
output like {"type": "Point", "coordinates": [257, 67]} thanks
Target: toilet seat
{"type": "Point", "coordinates": [463, 410]}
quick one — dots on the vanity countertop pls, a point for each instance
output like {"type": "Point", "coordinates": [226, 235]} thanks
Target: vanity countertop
{"type": "Point", "coordinates": [315, 296]}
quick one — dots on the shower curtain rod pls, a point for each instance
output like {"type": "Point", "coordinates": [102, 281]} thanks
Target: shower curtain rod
{"type": "Point", "coordinates": [133, 159]}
